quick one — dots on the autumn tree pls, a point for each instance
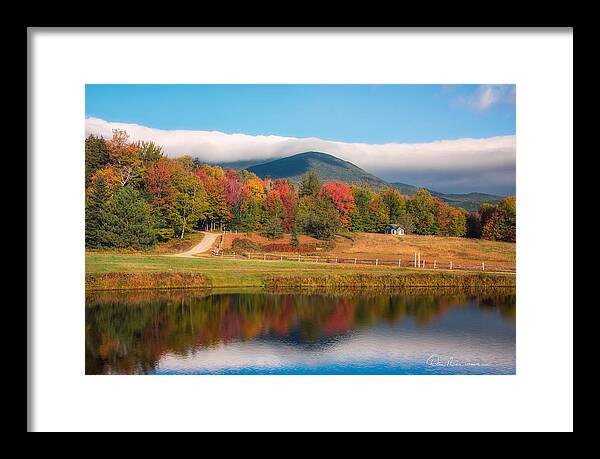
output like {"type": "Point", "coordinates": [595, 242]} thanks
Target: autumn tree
{"type": "Point", "coordinates": [282, 194]}
{"type": "Point", "coordinates": [341, 197]}
{"type": "Point", "coordinates": [442, 216]}
{"type": "Point", "coordinates": [160, 182]}
{"type": "Point", "coordinates": [457, 224]}
{"type": "Point", "coordinates": [111, 179]}
{"type": "Point", "coordinates": [124, 157]}
{"type": "Point", "coordinates": [500, 221]}
{"type": "Point", "coordinates": [378, 215]}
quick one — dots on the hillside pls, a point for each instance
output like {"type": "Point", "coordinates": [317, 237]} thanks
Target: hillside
{"type": "Point", "coordinates": [327, 167]}
{"type": "Point", "coordinates": [469, 201]}
{"type": "Point", "coordinates": [330, 168]}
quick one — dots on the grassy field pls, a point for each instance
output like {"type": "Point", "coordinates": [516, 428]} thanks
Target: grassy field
{"type": "Point", "coordinates": [442, 249]}
{"type": "Point", "coordinates": [461, 251]}
{"type": "Point", "coordinates": [246, 273]}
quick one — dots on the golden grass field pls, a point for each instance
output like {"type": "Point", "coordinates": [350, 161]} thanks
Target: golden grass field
{"type": "Point", "coordinates": [385, 246]}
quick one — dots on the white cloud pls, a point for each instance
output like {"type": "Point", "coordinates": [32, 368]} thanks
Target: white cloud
{"type": "Point", "coordinates": [490, 94]}
{"type": "Point", "coordinates": [462, 165]}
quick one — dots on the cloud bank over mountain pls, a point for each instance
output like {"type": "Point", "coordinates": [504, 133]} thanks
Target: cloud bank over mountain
{"type": "Point", "coordinates": [463, 165]}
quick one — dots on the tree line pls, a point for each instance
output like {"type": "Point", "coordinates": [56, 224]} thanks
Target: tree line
{"type": "Point", "coordinates": [137, 196]}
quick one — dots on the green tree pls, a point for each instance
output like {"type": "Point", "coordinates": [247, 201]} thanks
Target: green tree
{"type": "Point", "coordinates": [359, 216]}
{"type": "Point", "coordinates": [150, 152]}
{"type": "Point", "coordinates": [395, 204]}
{"type": "Point", "coordinates": [378, 215]}
{"type": "Point", "coordinates": [457, 225]}
{"type": "Point", "coordinates": [423, 209]}
{"type": "Point", "coordinates": [251, 215]}
{"type": "Point", "coordinates": [96, 156]}
{"type": "Point", "coordinates": [125, 221]}
{"type": "Point", "coordinates": [295, 242]}
{"type": "Point", "coordinates": [310, 184]}
{"type": "Point", "coordinates": [186, 210]}
{"type": "Point", "coordinates": [273, 228]}
{"type": "Point", "coordinates": [95, 199]}
{"type": "Point", "coordinates": [318, 217]}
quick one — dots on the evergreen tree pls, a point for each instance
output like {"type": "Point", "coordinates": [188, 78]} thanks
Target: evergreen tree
{"type": "Point", "coordinates": [125, 221]}
{"type": "Point", "coordinates": [295, 242]}
{"type": "Point", "coordinates": [96, 156]}
{"type": "Point", "coordinates": [310, 184]}
{"type": "Point", "coordinates": [95, 199]}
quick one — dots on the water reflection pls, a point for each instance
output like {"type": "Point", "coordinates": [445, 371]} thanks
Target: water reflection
{"type": "Point", "coordinates": [187, 332]}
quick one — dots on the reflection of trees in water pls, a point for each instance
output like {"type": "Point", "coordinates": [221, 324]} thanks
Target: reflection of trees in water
{"type": "Point", "coordinates": [128, 333]}
{"type": "Point", "coordinates": [505, 304]}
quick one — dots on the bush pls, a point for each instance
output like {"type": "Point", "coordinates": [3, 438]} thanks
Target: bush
{"type": "Point", "coordinates": [164, 234]}
{"type": "Point", "coordinates": [300, 248]}
{"type": "Point", "coordinates": [245, 245]}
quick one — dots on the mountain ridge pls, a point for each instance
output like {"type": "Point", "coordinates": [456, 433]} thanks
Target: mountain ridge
{"type": "Point", "coordinates": [329, 168]}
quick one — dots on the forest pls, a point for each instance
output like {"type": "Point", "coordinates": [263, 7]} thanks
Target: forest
{"type": "Point", "coordinates": [136, 196]}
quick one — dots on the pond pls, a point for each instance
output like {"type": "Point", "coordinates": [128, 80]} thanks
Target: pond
{"type": "Point", "coordinates": [252, 332]}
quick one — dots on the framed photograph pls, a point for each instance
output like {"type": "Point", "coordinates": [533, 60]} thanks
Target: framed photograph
{"type": "Point", "coordinates": [221, 220]}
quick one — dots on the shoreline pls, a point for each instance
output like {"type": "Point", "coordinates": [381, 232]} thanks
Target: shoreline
{"type": "Point", "coordinates": [267, 281]}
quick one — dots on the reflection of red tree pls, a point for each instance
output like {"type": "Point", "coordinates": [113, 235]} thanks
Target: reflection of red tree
{"type": "Point", "coordinates": [281, 322]}
{"type": "Point", "coordinates": [230, 327]}
{"type": "Point", "coordinates": [341, 319]}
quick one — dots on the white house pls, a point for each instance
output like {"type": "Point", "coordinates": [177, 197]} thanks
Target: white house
{"type": "Point", "coordinates": [394, 229]}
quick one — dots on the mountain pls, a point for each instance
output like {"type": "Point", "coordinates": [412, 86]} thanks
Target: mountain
{"type": "Point", "coordinates": [327, 167]}
{"type": "Point", "coordinates": [330, 168]}
{"type": "Point", "coordinates": [238, 165]}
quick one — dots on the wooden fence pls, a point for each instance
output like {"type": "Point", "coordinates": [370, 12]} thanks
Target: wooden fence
{"type": "Point", "coordinates": [418, 262]}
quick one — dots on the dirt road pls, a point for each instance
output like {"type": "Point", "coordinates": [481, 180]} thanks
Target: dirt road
{"type": "Point", "coordinates": [204, 246]}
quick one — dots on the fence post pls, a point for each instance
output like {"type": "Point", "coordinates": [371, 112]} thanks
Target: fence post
{"type": "Point", "coordinates": [355, 261]}
{"type": "Point", "coordinates": [434, 263]}
{"type": "Point", "coordinates": [423, 263]}
{"type": "Point", "coordinates": [483, 265]}
{"type": "Point", "coordinates": [298, 257]}
{"type": "Point", "coordinates": [450, 264]}
{"type": "Point", "coordinates": [264, 256]}
{"type": "Point", "coordinates": [419, 259]}
{"type": "Point", "coordinates": [336, 259]}
{"type": "Point", "coordinates": [415, 259]}
{"type": "Point", "coordinates": [398, 262]}
{"type": "Point", "coordinates": [281, 259]}
{"type": "Point", "coordinates": [376, 261]}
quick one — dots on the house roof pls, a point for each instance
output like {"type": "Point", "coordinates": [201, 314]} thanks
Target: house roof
{"type": "Point", "coordinates": [394, 226]}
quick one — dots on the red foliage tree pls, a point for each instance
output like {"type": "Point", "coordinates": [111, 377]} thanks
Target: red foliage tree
{"type": "Point", "coordinates": [341, 196]}
{"type": "Point", "coordinates": [159, 178]}
{"type": "Point", "coordinates": [283, 192]}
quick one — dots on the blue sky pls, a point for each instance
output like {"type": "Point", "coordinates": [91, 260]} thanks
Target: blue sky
{"type": "Point", "coordinates": [348, 113]}
{"type": "Point", "coordinates": [449, 138]}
